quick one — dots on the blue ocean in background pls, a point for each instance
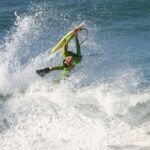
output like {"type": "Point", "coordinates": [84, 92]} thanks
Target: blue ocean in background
{"type": "Point", "coordinates": [104, 104]}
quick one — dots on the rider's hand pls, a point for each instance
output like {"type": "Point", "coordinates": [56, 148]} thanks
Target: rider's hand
{"type": "Point", "coordinates": [75, 32]}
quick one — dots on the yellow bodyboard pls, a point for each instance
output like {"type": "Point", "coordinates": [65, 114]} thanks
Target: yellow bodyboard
{"type": "Point", "coordinates": [61, 43]}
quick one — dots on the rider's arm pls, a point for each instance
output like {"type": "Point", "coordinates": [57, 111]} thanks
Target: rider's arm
{"type": "Point", "coordinates": [78, 46]}
{"type": "Point", "coordinates": [61, 67]}
{"type": "Point", "coordinates": [65, 51]}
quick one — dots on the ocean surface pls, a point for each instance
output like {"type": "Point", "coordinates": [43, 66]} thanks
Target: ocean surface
{"type": "Point", "coordinates": [104, 104]}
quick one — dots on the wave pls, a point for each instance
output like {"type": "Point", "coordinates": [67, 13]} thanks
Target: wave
{"type": "Point", "coordinates": [86, 111]}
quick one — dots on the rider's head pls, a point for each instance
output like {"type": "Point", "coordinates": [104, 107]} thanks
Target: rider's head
{"type": "Point", "coordinates": [68, 61]}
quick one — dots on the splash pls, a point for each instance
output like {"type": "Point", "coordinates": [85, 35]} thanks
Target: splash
{"type": "Point", "coordinates": [17, 63]}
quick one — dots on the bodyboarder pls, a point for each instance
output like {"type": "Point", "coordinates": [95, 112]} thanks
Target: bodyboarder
{"type": "Point", "coordinates": [70, 59]}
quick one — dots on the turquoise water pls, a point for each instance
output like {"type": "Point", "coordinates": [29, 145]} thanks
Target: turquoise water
{"type": "Point", "coordinates": [104, 104]}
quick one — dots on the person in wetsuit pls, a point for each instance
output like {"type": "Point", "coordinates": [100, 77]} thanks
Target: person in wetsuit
{"type": "Point", "coordinates": [70, 60]}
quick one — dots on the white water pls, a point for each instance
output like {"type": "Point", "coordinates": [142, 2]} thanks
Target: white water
{"type": "Point", "coordinates": [37, 114]}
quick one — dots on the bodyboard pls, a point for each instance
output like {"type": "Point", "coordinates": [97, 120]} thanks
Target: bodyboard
{"type": "Point", "coordinates": [61, 43]}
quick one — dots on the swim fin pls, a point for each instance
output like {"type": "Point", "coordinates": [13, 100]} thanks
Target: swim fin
{"type": "Point", "coordinates": [43, 72]}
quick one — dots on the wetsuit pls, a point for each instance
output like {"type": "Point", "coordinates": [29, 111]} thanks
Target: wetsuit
{"type": "Point", "coordinates": [76, 59]}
